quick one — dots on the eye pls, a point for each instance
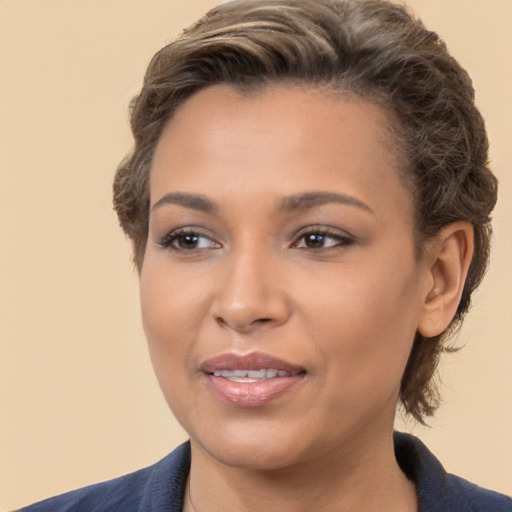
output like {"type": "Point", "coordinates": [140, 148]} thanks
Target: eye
{"type": "Point", "coordinates": [186, 239]}
{"type": "Point", "coordinates": [322, 239]}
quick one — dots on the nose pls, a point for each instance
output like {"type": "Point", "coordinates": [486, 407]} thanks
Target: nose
{"type": "Point", "coordinates": [250, 294]}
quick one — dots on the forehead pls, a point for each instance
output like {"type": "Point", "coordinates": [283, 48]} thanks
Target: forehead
{"type": "Point", "coordinates": [280, 106]}
{"type": "Point", "coordinates": [277, 140]}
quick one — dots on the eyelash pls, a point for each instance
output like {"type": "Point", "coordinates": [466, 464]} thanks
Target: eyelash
{"type": "Point", "coordinates": [341, 241]}
{"type": "Point", "coordinates": [174, 236]}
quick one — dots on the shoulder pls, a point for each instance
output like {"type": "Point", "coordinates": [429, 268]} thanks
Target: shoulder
{"type": "Point", "coordinates": [439, 490]}
{"type": "Point", "coordinates": [157, 488]}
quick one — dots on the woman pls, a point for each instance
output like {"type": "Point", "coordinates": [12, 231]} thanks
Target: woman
{"type": "Point", "coordinates": [308, 201]}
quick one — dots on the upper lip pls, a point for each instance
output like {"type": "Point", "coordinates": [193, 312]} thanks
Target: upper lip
{"type": "Point", "coordinates": [252, 361]}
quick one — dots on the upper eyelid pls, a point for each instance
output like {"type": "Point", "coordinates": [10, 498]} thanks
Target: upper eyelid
{"type": "Point", "coordinates": [325, 230]}
{"type": "Point", "coordinates": [189, 229]}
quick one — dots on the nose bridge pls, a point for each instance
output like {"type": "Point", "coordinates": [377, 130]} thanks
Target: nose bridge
{"type": "Point", "coordinates": [249, 293]}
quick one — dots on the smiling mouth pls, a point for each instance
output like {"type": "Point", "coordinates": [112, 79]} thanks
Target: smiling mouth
{"type": "Point", "coordinates": [248, 376]}
{"type": "Point", "coordinates": [250, 380]}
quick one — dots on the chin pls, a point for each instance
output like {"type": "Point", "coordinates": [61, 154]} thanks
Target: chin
{"type": "Point", "coordinates": [253, 456]}
{"type": "Point", "coordinates": [256, 446]}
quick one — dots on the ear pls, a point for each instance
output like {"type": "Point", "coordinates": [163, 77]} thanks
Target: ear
{"type": "Point", "coordinates": [448, 258]}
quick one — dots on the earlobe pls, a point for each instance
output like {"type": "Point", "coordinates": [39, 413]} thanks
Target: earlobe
{"type": "Point", "coordinates": [449, 257]}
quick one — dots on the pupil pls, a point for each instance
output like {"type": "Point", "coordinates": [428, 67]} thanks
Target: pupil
{"type": "Point", "coordinates": [188, 241]}
{"type": "Point", "coordinates": [315, 241]}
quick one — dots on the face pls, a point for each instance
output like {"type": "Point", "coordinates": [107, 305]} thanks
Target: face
{"type": "Point", "coordinates": [280, 288]}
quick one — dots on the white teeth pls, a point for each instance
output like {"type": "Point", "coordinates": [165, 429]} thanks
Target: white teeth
{"type": "Point", "coordinates": [250, 375]}
{"type": "Point", "coordinates": [246, 380]}
{"type": "Point", "coordinates": [257, 374]}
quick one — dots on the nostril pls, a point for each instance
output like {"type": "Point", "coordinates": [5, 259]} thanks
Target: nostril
{"type": "Point", "coordinates": [241, 325]}
{"type": "Point", "coordinates": [221, 321]}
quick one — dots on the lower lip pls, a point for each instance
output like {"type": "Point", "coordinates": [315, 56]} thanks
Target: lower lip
{"type": "Point", "coordinates": [252, 394]}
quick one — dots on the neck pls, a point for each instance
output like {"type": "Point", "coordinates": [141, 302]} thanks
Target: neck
{"type": "Point", "coordinates": [363, 477]}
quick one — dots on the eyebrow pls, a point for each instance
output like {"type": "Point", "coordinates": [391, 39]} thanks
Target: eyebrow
{"type": "Point", "coordinates": [299, 202]}
{"type": "Point", "coordinates": [193, 201]}
{"type": "Point", "coordinates": [308, 200]}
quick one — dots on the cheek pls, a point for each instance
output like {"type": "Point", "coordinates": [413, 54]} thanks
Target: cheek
{"type": "Point", "coordinates": [170, 301]}
{"type": "Point", "coordinates": [171, 317]}
{"type": "Point", "coordinates": [364, 322]}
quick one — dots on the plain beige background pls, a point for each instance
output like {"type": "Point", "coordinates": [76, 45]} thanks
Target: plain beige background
{"type": "Point", "coordinates": [78, 400]}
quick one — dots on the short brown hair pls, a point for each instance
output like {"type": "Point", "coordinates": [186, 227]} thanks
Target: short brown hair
{"type": "Point", "coordinates": [374, 49]}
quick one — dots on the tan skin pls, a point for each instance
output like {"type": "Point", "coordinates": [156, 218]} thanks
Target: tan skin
{"type": "Point", "coordinates": [332, 285]}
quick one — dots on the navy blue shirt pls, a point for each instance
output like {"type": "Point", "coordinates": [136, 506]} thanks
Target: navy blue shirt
{"type": "Point", "coordinates": [161, 487]}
